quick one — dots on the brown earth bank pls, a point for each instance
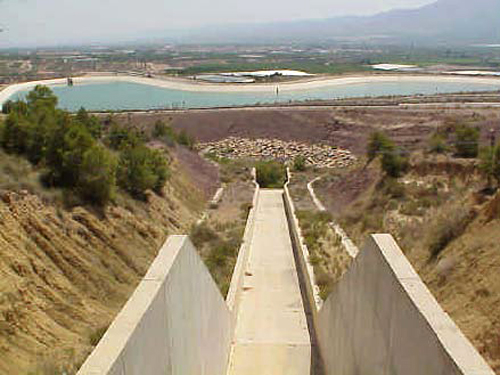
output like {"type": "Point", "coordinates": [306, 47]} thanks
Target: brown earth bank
{"type": "Point", "coordinates": [66, 272]}
{"type": "Point", "coordinates": [344, 127]}
{"type": "Point", "coordinates": [445, 224]}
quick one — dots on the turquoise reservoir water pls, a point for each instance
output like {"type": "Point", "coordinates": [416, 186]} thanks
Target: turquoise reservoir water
{"type": "Point", "coordinates": [126, 96]}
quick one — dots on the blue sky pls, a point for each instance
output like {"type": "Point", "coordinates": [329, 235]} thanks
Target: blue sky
{"type": "Point", "coordinates": [52, 22]}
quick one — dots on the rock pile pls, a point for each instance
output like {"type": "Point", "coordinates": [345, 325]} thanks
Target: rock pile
{"type": "Point", "coordinates": [318, 155]}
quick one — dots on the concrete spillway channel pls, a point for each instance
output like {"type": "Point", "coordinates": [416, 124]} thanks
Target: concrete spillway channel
{"type": "Point", "coordinates": [379, 319]}
{"type": "Point", "coordinates": [271, 336]}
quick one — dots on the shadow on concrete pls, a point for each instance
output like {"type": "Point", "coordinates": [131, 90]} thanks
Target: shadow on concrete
{"type": "Point", "coordinates": [317, 367]}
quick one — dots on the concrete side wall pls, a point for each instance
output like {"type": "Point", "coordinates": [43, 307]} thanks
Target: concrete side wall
{"type": "Point", "coordinates": [176, 322]}
{"type": "Point", "coordinates": [235, 288]}
{"type": "Point", "coordinates": [381, 319]}
{"type": "Point", "coordinates": [305, 272]}
{"type": "Point", "coordinates": [312, 300]}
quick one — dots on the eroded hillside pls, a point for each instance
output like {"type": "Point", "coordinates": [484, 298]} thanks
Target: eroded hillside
{"type": "Point", "coordinates": [66, 272]}
{"type": "Point", "coordinates": [447, 226]}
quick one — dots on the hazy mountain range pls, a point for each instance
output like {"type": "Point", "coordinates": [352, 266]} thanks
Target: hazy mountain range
{"type": "Point", "coordinates": [445, 21]}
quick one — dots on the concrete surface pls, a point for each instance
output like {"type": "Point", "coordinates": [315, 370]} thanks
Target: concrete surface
{"type": "Point", "coordinates": [304, 267]}
{"type": "Point", "coordinates": [176, 322]}
{"type": "Point", "coordinates": [272, 336]}
{"type": "Point", "coordinates": [235, 291]}
{"type": "Point", "coordinates": [381, 319]}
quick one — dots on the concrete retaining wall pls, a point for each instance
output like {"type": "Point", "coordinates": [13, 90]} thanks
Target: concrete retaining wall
{"type": "Point", "coordinates": [235, 288]}
{"type": "Point", "coordinates": [381, 319]}
{"type": "Point", "coordinates": [176, 322]}
{"type": "Point", "coordinates": [305, 269]}
{"type": "Point", "coordinates": [310, 291]}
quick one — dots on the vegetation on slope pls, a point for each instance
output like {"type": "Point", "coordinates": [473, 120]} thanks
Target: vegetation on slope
{"type": "Point", "coordinates": [77, 153]}
{"type": "Point", "coordinates": [67, 271]}
{"type": "Point", "coordinates": [218, 238]}
{"type": "Point", "coordinates": [445, 215]}
{"type": "Point", "coordinates": [326, 255]}
{"type": "Point", "coordinates": [270, 174]}
{"type": "Point", "coordinates": [69, 259]}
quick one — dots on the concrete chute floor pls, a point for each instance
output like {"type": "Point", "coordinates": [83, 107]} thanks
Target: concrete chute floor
{"type": "Point", "coordinates": [272, 336]}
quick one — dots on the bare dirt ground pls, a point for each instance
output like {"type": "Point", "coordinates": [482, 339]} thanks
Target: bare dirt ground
{"type": "Point", "coordinates": [202, 174]}
{"type": "Point", "coordinates": [65, 273]}
{"type": "Point", "coordinates": [438, 200]}
{"type": "Point", "coordinates": [345, 127]}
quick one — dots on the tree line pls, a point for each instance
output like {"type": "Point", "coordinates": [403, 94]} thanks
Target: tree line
{"type": "Point", "coordinates": [79, 152]}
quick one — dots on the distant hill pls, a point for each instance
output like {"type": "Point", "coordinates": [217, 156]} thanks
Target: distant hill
{"type": "Point", "coordinates": [456, 21]}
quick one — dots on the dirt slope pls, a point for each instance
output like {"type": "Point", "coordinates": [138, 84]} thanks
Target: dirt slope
{"type": "Point", "coordinates": [438, 205]}
{"type": "Point", "coordinates": [64, 274]}
{"type": "Point", "coordinates": [345, 127]}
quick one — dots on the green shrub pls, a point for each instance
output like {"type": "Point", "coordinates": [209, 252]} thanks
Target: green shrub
{"type": "Point", "coordinates": [15, 134]}
{"type": "Point", "coordinates": [164, 133]}
{"type": "Point", "coordinates": [69, 148]}
{"type": "Point", "coordinates": [437, 143]}
{"type": "Point", "coordinates": [142, 169]}
{"type": "Point", "coordinates": [77, 142]}
{"type": "Point", "coordinates": [490, 162]}
{"type": "Point", "coordinates": [378, 143]}
{"type": "Point", "coordinates": [466, 141]}
{"type": "Point", "coordinates": [185, 139]}
{"type": "Point", "coordinates": [120, 137]}
{"type": "Point", "coordinates": [299, 163]}
{"type": "Point", "coordinates": [393, 164]}
{"type": "Point", "coordinates": [7, 107]}
{"type": "Point", "coordinates": [97, 176]}
{"type": "Point", "coordinates": [41, 96]}
{"type": "Point", "coordinates": [393, 188]}
{"type": "Point", "coordinates": [270, 174]}
{"type": "Point", "coordinates": [18, 106]}
{"type": "Point", "coordinates": [92, 123]}
{"type": "Point", "coordinates": [201, 234]}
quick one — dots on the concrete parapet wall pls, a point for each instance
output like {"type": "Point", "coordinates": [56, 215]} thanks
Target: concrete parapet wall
{"type": "Point", "coordinates": [381, 319]}
{"type": "Point", "coordinates": [304, 266]}
{"type": "Point", "coordinates": [176, 322]}
{"type": "Point", "coordinates": [312, 300]}
{"type": "Point", "coordinates": [235, 287]}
